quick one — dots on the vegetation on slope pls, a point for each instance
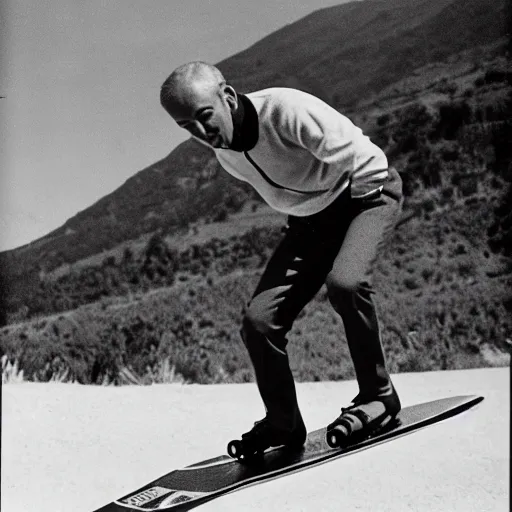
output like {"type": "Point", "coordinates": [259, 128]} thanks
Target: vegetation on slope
{"type": "Point", "coordinates": [447, 269]}
{"type": "Point", "coordinates": [155, 307]}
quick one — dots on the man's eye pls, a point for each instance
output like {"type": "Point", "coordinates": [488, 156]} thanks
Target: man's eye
{"type": "Point", "coordinates": [206, 116]}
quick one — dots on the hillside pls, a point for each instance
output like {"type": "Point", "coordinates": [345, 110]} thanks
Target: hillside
{"type": "Point", "coordinates": [345, 54]}
{"type": "Point", "coordinates": [169, 305]}
{"type": "Point", "coordinates": [151, 278]}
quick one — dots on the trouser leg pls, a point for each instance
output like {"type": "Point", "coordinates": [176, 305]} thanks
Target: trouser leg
{"type": "Point", "coordinates": [292, 277]}
{"type": "Point", "coordinates": [350, 287]}
{"type": "Point", "coordinates": [338, 246]}
{"type": "Point", "coordinates": [274, 379]}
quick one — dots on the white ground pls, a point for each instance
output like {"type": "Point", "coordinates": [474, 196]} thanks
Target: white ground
{"type": "Point", "coordinates": [68, 447]}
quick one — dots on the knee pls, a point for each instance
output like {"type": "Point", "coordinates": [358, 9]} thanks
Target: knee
{"type": "Point", "coordinates": [344, 284]}
{"type": "Point", "coordinates": [254, 324]}
{"type": "Point", "coordinates": [255, 320]}
{"type": "Point", "coordinates": [247, 331]}
{"type": "Point", "coordinates": [262, 314]}
{"type": "Point", "coordinates": [345, 292]}
{"type": "Point", "coordinates": [260, 328]}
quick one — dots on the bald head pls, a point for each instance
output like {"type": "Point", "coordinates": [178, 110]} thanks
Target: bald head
{"type": "Point", "coordinates": [197, 97]}
{"type": "Point", "coordinates": [188, 81]}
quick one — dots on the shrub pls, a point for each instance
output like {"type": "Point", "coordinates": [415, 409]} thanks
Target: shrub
{"type": "Point", "coordinates": [451, 117]}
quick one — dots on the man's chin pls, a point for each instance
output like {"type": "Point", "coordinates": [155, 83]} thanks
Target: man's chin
{"type": "Point", "coordinates": [219, 143]}
{"type": "Point", "coordinates": [202, 142]}
{"type": "Point", "coordinates": [216, 143]}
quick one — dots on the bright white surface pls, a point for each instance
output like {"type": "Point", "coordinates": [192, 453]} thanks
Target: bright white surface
{"type": "Point", "coordinates": [75, 448]}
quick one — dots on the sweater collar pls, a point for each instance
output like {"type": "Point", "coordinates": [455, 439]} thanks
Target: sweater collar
{"type": "Point", "coordinates": [245, 125]}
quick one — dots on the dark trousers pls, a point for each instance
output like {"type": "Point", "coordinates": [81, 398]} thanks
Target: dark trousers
{"type": "Point", "coordinates": [336, 247]}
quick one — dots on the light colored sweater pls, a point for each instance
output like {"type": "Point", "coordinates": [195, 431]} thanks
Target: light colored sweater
{"type": "Point", "coordinates": [307, 153]}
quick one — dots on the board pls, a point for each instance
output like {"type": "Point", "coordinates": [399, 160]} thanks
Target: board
{"type": "Point", "coordinates": [186, 488]}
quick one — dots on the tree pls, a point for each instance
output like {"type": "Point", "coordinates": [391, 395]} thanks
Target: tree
{"type": "Point", "coordinates": [158, 259]}
{"type": "Point", "coordinates": [500, 231]}
{"type": "Point", "coordinates": [451, 118]}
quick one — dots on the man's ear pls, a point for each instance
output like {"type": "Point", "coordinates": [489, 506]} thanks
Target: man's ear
{"type": "Point", "coordinates": [231, 97]}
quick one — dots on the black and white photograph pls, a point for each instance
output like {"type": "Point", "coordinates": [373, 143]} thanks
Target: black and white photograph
{"type": "Point", "coordinates": [255, 256]}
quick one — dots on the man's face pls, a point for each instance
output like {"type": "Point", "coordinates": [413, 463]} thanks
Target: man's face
{"type": "Point", "coordinates": [204, 110]}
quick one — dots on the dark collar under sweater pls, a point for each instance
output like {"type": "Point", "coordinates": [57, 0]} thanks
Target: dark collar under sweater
{"type": "Point", "coordinates": [245, 125]}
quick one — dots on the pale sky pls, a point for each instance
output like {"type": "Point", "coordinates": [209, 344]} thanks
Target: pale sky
{"type": "Point", "coordinates": [82, 80]}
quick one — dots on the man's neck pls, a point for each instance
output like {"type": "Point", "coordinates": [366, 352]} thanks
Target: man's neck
{"type": "Point", "coordinates": [245, 125]}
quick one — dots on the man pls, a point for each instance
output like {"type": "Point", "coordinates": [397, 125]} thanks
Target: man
{"type": "Point", "coordinates": [312, 163]}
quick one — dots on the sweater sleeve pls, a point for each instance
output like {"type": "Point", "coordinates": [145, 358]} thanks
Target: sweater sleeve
{"type": "Point", "coordinates": [308, 122]}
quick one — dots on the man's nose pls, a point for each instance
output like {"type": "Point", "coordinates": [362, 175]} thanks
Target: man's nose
{"type": "Point", "coordinates": [198, 130]}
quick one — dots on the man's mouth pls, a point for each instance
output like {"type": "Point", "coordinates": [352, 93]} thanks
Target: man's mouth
{"type": "Point", "coordinates": [214, 140]}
